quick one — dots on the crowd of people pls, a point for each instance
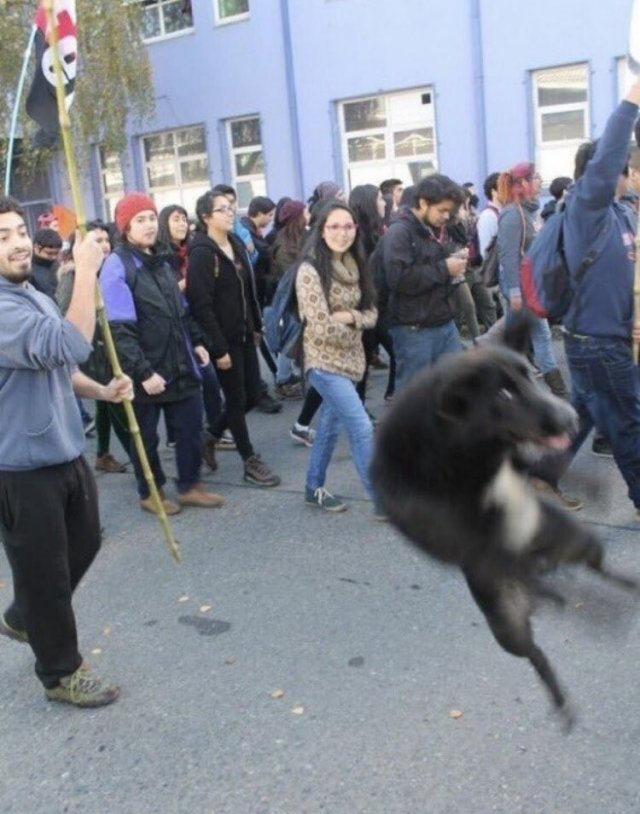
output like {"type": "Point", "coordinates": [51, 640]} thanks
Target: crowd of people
{"type": "Point", "coordinates": [392, 270]}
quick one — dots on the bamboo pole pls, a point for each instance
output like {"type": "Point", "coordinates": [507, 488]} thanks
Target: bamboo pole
{"type": "Point", "coordinates": [65, 130]}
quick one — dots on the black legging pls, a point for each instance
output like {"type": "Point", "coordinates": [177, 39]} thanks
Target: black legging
{"type": "Point", "coordinates": [241, 387]}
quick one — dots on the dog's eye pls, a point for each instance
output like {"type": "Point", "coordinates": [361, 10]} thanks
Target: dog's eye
{"type": "Point", "coordinates": [505, 395]}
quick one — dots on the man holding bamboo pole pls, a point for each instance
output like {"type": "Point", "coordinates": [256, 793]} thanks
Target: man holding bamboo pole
{"type": "Point", "coordinates": [49, 518]}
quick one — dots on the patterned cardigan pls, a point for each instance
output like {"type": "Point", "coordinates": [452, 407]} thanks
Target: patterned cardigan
{"type": "Point", "coordinates": [328, 344]}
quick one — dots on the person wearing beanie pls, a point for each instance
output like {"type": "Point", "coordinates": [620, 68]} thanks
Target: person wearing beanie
{"type": "Point", "coordinates": [325, 191]}
{"type": "Point", "coordinates": [160, 348]}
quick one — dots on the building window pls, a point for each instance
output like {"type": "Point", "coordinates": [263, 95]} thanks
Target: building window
{"type": "Point", "coordinates": [177, 167]}
{"type": "Point", "coordinates": [231, 11]}
{"type": "Point", "coordinates": [247, 158]}
{"type": "Point", "coordinates": [111, 181]}
{"type": "Point", "coordinates": [561, 109]}
{"type": "Point", "coordinates": [162, 18]}
{"type": "Point", "coordinates": [390, 136]}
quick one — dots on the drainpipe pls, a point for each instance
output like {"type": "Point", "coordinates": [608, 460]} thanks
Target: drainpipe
{"type": "Point", "coordinates": [477, 54]}
{"type": "Point", "coordinates": [292, 95]}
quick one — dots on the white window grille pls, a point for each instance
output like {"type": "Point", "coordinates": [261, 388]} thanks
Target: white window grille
{"type": "Point", "coordinates": [177, 166]}
{"type": "Point", "coordinates": [389, 136]}
{"type": "Point", "coordinates": [247, 158]}
{"type": "Point", "coordinates": [561, 113]}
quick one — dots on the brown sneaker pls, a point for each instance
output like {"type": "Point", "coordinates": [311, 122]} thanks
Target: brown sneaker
{"type": "Point", "coordinates": [83, 689]}
{"type": "Point", "coordinates": [209, 453]}
{"type": "Point", "coordinates": [289, 390]}
{"type": "Point", "coordinates": [570, 503]}
{"type": "Point", "coordinates": [258, 473]}
{"type": "Point", "coordinates": [197, 496]}
{"type": "Point", "coordinates": [107, 463]}
{"type": "Point", "coordinates": [147, 504]}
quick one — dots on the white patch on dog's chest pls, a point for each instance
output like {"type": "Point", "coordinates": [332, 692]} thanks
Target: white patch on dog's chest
{"type": "Point", "coordinates": [520, 509]}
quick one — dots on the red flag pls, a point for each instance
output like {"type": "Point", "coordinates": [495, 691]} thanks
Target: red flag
{"type": "Point", "coordinates": [41, 101]}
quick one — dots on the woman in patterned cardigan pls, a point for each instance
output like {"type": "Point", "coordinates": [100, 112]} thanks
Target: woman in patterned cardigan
{"type": "Point", "coordinates": [336, 300]}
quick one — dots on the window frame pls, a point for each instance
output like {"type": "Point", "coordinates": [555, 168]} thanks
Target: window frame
{"type": "Point", "coordinates": [164, 35]}
{"type": "Point", "coordinates": [252, 148]}
{"type": "Point", "coordinates": [233, 18]}
{"type": "Point", "coordinates": [556, 145]}
{"type": "Point", "coordinates": [179, 186]}
{"type": "Point", "coordinates": [108, 199]}
{"type": "Point", "coordinates": [389, 130]}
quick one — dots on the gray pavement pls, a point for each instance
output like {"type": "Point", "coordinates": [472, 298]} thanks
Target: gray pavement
{"type": "Point", "coordinates": [367, 646]}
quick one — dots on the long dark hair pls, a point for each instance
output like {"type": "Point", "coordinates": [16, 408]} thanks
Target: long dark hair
{"type": "Point", "coordinates": [364, 203]}
{"type": "Point", "coordinates": [318, 254]}
{"type": "Point", "coordinates": [164, 233]}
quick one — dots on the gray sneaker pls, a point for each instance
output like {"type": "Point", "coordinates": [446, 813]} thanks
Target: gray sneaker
{"type": "Point", "coordinates": [83, 689]}
{"type": "Point", "coordinates": [258, 473]}
{"type": "Point", "coordinates": [321, 499]}
{"type": "Point", "coordinates": [13, 633]}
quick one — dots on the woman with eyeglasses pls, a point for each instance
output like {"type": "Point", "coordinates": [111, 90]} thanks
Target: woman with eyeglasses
{"type": "Point", "coordinates": [222, 298]}
{"type": "Point", "coordinates": [336, 301]}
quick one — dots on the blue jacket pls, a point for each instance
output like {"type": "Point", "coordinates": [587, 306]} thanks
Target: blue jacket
{"type": "Point", "coordinates": [40, 420]}
{"type": "Point", "coordinates": [602, 304]}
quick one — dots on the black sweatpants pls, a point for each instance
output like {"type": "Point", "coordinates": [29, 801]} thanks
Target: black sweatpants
{"type": "Point", "coordinates": [51, 532]}
{"type": "Point", "coordinates": [241, 387]}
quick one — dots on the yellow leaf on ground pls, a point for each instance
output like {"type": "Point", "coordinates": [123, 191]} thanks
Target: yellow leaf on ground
{"type": "Point", "coordinates": [456, 713]}
{"type": "Point", "coordinates": [277, 694]}
{"type": "Point", "coordinates": [205, 608]}
{"type": "Point", "coordinates": [96, 651]}
{"type": "Point", "coordinates": [299, 710]}
{"type": "Point", "coordinates": [183, 599]}
{"type": "Point", "coordinates": [106, 630]}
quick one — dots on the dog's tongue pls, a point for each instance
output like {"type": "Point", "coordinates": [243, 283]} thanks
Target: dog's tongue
{"type": "Point", "coordinates": [557, 442]}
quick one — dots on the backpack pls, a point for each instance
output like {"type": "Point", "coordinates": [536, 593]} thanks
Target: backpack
{"type": "Point", "coordinates": [97, 366]}
{"type": "Point", "coordinates": [488, 271]}
{"type": "Point", "coordinates": [545, 280]}
{"type": "Point", "coordinates": [283, 328]}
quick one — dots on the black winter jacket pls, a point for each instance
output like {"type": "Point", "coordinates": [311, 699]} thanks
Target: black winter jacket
{"type": "Point", "coordinates": [222, 298]}
{"type": "Point", "coordinates": [416, 273]}
{"type": "Point", "coordinates": [150, 324]}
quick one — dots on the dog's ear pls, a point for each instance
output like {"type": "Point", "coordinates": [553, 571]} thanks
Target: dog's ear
{"type": "Point", "coordinates": [456, 400]}
{"type": "Point", "coordinates": [518, 330]}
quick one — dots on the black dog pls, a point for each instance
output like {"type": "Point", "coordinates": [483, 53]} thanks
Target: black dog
{"type": "Point", "coordinates": [448, 470]}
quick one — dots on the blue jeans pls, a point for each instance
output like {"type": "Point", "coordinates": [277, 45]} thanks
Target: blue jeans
{"type": "Point", "coordinates": [416, 349]}
{"type": "Point", "coordinates": [606, 393]}
{"type": "Point", "coordinates": [341, 405]}
{"type": "Point", "coordinates": [542, 341]}
{"type": "Point", "coordinates": [184, 419]}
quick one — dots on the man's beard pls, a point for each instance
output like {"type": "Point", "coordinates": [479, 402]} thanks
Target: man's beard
{"type": "Point", "coordinates": [18, 277]}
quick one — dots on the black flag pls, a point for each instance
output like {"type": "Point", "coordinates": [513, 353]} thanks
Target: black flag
{"type": "Point", "coordinates": [41, 101]}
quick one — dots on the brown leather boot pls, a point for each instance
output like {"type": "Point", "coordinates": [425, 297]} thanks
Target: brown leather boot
{"type": "Point", "coordinates": [197, 496]}
{"type": "Point", "coordinates": [554, 381]}
{"type": "Point", "coordinates": [147, 504]}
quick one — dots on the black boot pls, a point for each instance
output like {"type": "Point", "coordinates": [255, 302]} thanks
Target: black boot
{"type": "Point", "coordinates": [554, 381]}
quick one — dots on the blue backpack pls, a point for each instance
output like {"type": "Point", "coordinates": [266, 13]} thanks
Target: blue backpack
{"type": "Point", "coordinates": [283, 328]}
{"type": "Point", "coordinates": [546, 284]}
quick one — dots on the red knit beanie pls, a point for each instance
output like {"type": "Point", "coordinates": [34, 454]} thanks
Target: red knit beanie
{"type": "Point", "coordinates": [290, 211]}
{"type": "Point", "coordinates": [129, 207]}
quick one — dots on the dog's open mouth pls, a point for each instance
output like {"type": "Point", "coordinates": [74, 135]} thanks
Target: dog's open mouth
{"type": "Point", "coordinates": [555, 443]}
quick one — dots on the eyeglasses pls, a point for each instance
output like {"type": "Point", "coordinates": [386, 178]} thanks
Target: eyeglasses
{"type": "Point", "coordinates": [225, 210]}
{"type": "Point", "coordinates": [347, 228]}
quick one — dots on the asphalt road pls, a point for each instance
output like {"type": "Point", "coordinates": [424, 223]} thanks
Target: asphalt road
{"type": "Point", "coordinates": [298, 662]}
